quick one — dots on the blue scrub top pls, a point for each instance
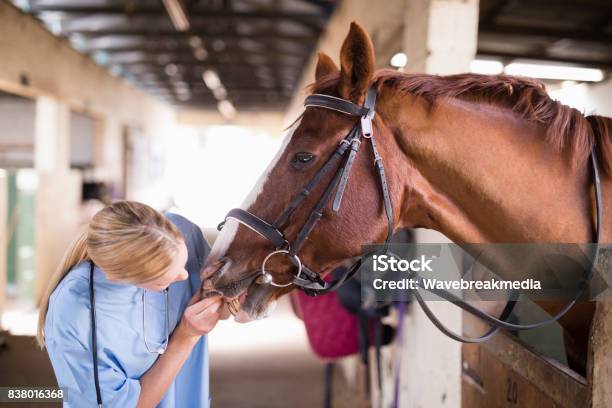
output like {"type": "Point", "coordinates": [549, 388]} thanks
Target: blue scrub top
{"type": "Point", "coordinates": [122, 355]}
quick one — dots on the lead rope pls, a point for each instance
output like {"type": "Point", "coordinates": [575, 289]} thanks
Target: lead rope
{"type": "Point", "coordinates": [380, 169]}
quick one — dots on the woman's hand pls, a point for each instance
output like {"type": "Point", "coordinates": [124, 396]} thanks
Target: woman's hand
{"type": "Point", "coordinates": [200, 317]}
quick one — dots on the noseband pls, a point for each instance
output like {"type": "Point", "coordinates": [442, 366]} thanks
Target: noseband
{"type": "Point", "coordinates": [305, 279]}
{"type": "Point", "coordinates": [311, 283]}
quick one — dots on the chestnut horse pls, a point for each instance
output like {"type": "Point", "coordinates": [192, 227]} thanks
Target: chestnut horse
{"type": "Point", "coordinates": [478, 158]}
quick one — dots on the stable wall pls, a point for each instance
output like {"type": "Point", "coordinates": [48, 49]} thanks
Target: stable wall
{"type": "Point", "coordinates": [40, 66]}
{"type": "Point", "coordinates": [36, 64]}
{"type": "Point", "coordinates": [52, 67]}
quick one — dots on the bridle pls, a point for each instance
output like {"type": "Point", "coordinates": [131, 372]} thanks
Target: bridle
{"type": "Point", "coordinates": [311, 283]}
{"type": "Point", "coordinates": [305, 278]}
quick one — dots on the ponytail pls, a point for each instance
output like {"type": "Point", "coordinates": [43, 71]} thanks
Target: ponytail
{"type": "Point", "coordinates": [74, 255]}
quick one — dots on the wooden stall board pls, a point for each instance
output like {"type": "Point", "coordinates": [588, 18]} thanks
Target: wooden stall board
{"type": "Point", "coordinates": [505, 372]}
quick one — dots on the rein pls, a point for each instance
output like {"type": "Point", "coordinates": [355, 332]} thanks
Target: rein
{"type": "Point", "coordinates": [311, 283]}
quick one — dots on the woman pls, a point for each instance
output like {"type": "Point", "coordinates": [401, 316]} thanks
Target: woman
{"type": "Point", "coordinates": [145, 270]}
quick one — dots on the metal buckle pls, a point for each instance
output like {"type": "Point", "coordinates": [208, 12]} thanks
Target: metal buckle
{"type": "Point", "coordinates": [266, 277]}
{"type": "Point", "coordinates": [366, 124]}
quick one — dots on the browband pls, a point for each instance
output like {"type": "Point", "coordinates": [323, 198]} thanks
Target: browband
{"type": "Point", "coordinates": [337, 104]}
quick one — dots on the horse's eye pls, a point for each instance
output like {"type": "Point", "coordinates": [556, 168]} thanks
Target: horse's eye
{"type": "Point", "coordinates": [302, 159]}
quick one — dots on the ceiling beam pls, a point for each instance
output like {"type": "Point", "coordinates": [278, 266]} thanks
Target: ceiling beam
{"type": "Point", "coordinates": [69, 19]}
{"type": "Point", "coordinates": [195, 63]}
{"type": "Point", "coordinates": [246, 86]}
{"type": "Point", "coordinates": [601, 21]}
{"type": "Point", "coordinates": [270, 36]}
{"type": "Point", "coordinates": [489, 16]}
{"type": "Point", "coordinates": [232, 45]}
{"type": "Point", "coordinates": [603, 64]}
{"type": "Point", "coordinates": [326, 5]}
{"type": "Point", "coordinates": [220, 56]}
{"type": "Point", "coordinates": [597, 5]}
{"type": "Point", "coordinates": [160, 11]}
{"type": "Point", "coordinates": [187, 50]}
{"type": "Point", "coordinates": [190, 61]}
{"type": "Point", "coordinates": [577, 35]}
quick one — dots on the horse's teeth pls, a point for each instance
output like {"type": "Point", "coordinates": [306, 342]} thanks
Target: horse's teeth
{"type": "Point", "coordinates": [233, 306]}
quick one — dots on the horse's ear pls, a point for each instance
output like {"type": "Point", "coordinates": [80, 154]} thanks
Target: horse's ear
{"type": "Point", "coordinates": [357, 64]}
{"type": "Point", "coordinates": [325, 66]}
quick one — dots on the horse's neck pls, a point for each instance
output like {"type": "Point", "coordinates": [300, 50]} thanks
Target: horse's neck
{"type": "Point", "coordinates": [480, 174]}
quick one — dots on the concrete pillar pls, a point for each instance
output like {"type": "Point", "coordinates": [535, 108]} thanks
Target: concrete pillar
{"type": "Point", "coordinates": [58, 206]}
{"type": "Point", "coordinates": [430, 368]}
{"type": "Point", "coordinates": [440, 37]}
{"type": "Point", "coordinates": [51, 135]}
{"type": "Point", "coordinates": [58, 194]}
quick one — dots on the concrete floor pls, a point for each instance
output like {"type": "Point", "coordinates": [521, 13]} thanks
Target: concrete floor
{"type": "Point", "coordinates": [22, 362]}
{"type": "Point", "coordinates": [269, 364]}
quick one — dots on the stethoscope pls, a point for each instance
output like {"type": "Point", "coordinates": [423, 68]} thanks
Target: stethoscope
{"type": "Point", "coordinates": [94, 346]}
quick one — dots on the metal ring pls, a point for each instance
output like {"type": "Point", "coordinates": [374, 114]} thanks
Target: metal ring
{"type": "Point", "coordinates": [269, 276]}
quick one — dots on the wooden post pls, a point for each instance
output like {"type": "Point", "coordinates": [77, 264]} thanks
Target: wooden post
{"type": "Point", "coordinates": [600, 372]}
{"type": "Point", "coordinates": [505, 372]}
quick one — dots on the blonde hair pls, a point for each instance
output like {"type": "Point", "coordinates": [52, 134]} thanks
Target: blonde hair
{"type": "Point", "coordinates": [130, 241]}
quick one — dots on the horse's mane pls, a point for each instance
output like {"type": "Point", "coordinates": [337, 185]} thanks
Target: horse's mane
{"type": "Point", "coordinates": [565, 128]}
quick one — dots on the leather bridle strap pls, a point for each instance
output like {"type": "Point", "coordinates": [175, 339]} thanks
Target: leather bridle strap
{"type": "Point", "coordinates": [336, 104]}
{"type": "Point", "coordinates": [295, 203]}
{"type": "Point", "coordinates": [308, 280]}
{"type": "Point", "coordinates": [257, 225]}
{"type": "Point", "coordinates": [380, 169]}
{"type": "Point", "coordinates": [364, 127]}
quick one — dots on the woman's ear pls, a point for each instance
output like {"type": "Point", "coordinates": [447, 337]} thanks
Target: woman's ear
{"type": "Point", "coordinates": [357, 64]}
{"type": "Point", "coordinates": [325, 66]}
